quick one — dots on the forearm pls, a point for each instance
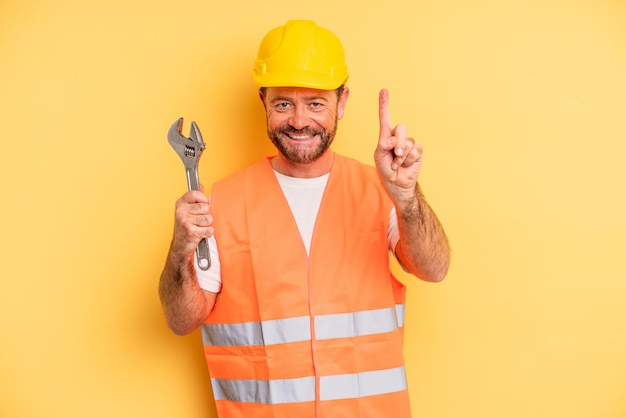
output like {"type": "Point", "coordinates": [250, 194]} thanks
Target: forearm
{"type": "Point", "coordinates": [423, 247]}
{"type": "Point", "coordinates": [183, 300]}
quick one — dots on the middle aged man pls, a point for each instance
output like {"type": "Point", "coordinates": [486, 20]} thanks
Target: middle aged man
{"type": "Point", "coordinates": [300, 314]}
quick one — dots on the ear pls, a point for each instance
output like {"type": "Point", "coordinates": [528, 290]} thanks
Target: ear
{"type": "Point", "coordinates": [262, 98]}
{"type": "Point", "coordinates": [341, 105]}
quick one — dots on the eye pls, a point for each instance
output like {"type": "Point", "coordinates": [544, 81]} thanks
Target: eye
{"type": "Point", "coordinates": [282, 105]}
{"type": "Point", "coordinates": [316, 105]}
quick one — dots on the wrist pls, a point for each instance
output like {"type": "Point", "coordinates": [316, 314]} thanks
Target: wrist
{"type": "Point", "coordinates": [406, 199]}
{"type": "Point", "coordinates": [179, 256]}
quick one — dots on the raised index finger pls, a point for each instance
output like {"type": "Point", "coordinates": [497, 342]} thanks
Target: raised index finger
{"type": "Point", "coordinates": [383, 114]}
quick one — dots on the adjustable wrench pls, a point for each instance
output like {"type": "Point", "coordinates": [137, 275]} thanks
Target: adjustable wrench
{"type": "Point", "coordinates": [189, 150]}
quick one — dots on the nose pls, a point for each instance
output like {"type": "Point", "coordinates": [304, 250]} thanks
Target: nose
{"type": "Point", "coordinates": [299, 118]}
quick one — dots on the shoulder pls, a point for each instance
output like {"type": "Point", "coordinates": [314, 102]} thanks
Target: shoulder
{"type": "Point", "coordinates": [355, 165]}
{"type": "Point", "coordinates": [360, 181]}
{"type": "Point", "coordinates": [240, 176]}
{"type": "Point", "coordinates": [354, 168]}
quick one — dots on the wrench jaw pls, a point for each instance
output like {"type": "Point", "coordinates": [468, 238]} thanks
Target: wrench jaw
{"type": "Point", "coordinates": [188, 149]}
{"type": "Point", "coordinates": [174, 135]}
{"type": "Point", "coordinates": [195, 135]}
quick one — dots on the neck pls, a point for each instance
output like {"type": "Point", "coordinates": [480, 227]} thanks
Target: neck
{"type": "Point", "coordinates": [316, 168]}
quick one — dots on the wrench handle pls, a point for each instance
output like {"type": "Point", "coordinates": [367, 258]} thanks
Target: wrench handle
{"type": "Point", "coordinates": [204, 259]}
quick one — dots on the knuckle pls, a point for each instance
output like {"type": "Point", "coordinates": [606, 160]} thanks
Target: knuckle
{"type": "Point", "coordinates": [180, 214]}
{"type": "Point", "coordinates": [186, 226]}
{"type": "Point", "coordinates": [207, 221]}
{"type": "Point", "coordinates": [202, 207]}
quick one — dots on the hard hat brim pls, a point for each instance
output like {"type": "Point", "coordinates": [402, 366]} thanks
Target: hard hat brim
{"type": "Point", "coordinates": [299, 79]}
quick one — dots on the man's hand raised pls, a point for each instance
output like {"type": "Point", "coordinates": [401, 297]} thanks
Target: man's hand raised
{"type": "Point", "coordinates": [397, 157]}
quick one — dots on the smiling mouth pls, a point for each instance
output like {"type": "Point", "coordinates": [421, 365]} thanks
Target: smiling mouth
{"type": "Point", "coordinates": [300, 137]}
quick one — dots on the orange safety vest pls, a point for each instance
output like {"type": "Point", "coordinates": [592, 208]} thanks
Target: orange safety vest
{"type": "Point", "coordinates": [292, 336]}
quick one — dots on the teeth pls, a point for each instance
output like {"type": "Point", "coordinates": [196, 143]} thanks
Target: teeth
{"type": "Point", "coordinates": [300, 137]}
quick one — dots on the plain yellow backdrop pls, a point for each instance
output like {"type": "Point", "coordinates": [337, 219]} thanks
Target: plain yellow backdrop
{"type": "Point", "coordinates": [521, 108]}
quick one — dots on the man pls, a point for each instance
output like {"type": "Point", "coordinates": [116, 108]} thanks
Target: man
{"type": "Point", "coordinates": [299, 312]}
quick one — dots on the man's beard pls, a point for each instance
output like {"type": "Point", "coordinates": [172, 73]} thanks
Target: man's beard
{"type": "Point", "coordinates": [302, 155]}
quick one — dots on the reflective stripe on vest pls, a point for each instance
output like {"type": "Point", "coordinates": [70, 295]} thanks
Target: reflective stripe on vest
{"type": "Point", "coordinates": [290, 330]}
{"type": "Point", "coordinates": [344, 386]}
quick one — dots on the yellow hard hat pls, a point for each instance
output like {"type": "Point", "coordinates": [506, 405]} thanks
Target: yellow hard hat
{"type": "Point", "coordinates": [300, 54]}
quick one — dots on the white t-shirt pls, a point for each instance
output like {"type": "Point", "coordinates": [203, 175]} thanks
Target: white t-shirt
{"type": "Point", "coordinates": [304, 196]}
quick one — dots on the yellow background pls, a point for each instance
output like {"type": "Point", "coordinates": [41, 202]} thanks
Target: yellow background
{"type": "Point", "coordinates": [520, 105]}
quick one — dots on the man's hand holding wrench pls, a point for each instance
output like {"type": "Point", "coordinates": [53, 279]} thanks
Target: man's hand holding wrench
{"type": "Point", "coordinates": [193, 220]}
